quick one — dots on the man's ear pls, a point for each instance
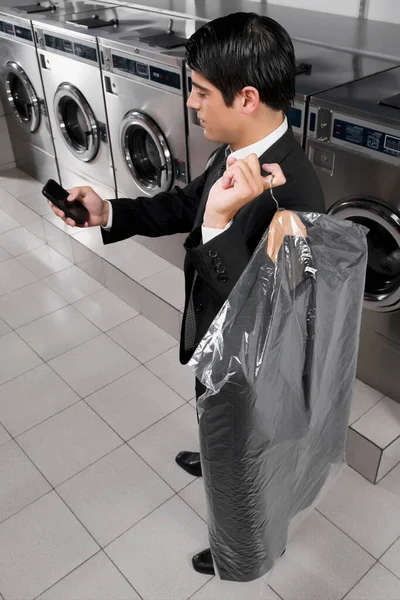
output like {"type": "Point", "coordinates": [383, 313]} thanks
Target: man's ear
{"type": "Point", "coordinates": [249, 99]}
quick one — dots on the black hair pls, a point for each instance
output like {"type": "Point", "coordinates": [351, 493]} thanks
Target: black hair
{"type": "Point", "coordinates": [245, 49]}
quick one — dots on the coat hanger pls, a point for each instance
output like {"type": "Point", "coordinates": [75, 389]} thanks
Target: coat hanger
{"type": "Point", "coordinates": [284, 222]}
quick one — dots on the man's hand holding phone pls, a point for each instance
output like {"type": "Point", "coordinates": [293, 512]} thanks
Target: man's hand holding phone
{"type": "Point", "coordinates": [95, 208]}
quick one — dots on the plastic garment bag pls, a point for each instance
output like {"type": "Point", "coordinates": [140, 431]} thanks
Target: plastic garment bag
{"type": "Point", "coordinates": [278, 363]}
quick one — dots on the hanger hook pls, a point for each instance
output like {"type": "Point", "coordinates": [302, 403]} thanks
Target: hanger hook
{"type": "Point", "coordinates": [272, 194]}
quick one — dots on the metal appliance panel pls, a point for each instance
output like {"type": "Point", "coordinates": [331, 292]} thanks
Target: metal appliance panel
{"type": "Point", "coordinates": [23, 53]}
{"type": "Point", "coordinates": [74, 60]}
{"type": "Point", "coordinates": [364, 36]}
{"type": "Point", "coordinates": [125, 92]}
{"type": "Point", "coordinates": [361, 98]}
{"type": "Point", "coordinates": [355, 147]}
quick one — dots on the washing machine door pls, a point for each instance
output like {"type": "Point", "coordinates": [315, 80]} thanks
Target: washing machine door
{"type": "Point", "coordinates": [382, 286]}
{"type": "Point", "coordinates": [76, 122]}
{"type": "Point", "coordinates": [24, 103]}
{"type": "Point", "coordinates": [146, 153]}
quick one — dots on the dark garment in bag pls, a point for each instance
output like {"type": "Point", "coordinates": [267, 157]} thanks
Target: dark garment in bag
{"type": "Point", "coordinates": [278, 365]}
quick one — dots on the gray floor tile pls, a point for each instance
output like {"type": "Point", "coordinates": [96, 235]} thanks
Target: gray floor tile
{"type": "Point", "coordinates": [13, 276]}
{"type": "Point", "coordinates": [96, 579]}
{"type": "Point", "coordinates": [20, 240]}
{"type": "Point", "coordinates": [180, 378]}
{"type": "Point", "coordinates": [114, 494]}
{"type": "Point", "coordinates": [167, 538]}
{"type": "Point", "coordinates": [364, 398]}
{"type": "Point", "coordinates": [6, 222]}
{"type": "Point", "coordinates": [231, 590]}
{"type": "Point", "coordinates": [18, 211]}
{"type": "Point", "coordinates": [68, 442]}
{"type": "Point", "coordinates": [134, 402]}
{"type": "Point", "coordinates": [17, 311]}
{"type": "Point", "coordinates": [21, 482]}
{"type": "Point", "coordinates": [4, 328]}
{"type": "Point", "coordinates": [40, 545]}
{"type": "Point", "coordinates": [142, 338]}
{"type": "Point", "coordinates": [58, 332]}
{"type": "Point", "coordinates": [105, 309]}
{"type": "Point", "coordinates": [168, 285]}
{"type": "Point", "coordinates": [4, 255]}
{"type": "Point", "coordinates": [377, 584]}
{"type": "Point", "coordinates": [36, 202]}
{"type": "Point", "coordinates": [391, 559]}
{"type": "Point", "coordinates": [194, 494]}
{"type": "Point", "coordinates": [159, 445]}
{"type": "Point", "coordinates": [33, 397]}
{"type": "Point", "coordinates": [391, 481]}
{"type": "Point", "coordinates": [93, 365]}
{"type": "Point", "coordinates": [320, 562]}
{"type": "Point", "coordinates": [44, 261]}
{"type": "Point", "coordinates": [4, 436]}
{"type": "Point", "coordinates": [73, 283]}
{"type": "Point", "coordinates": [370, 515]}
{"type": "Point", "coordinates": [20, 184]}
{"type": "Point", "coordinates": [15, 357]}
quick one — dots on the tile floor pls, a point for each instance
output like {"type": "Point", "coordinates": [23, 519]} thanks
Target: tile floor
{"type": "Point", "coordinates": [93, 408]}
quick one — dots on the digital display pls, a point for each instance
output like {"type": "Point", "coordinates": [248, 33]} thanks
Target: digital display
{"type": "Point", "coordinates": [23, 33]}
{"type": "Point", "coordinates": [142, 70]}
{"type": "Point", "coordinates": [68, 47]}
{"type": "Point", "coordinates": [58, 43]}
{"type": "Point", "coordinates": [366, 137]}
{"type": "Point", "coordinates": [165, 77]}
{"type": "Point", "coordinates": [6, 27]}
{"type": "Point", "coordinates": [85, 52]}
{"type": "Point", "coordinates": [294, 117]}
{"type": "Point", "coordinates": [54, 42]}
{"type": "Point", "coordinates": [124, 64]}
{"type": "Point", "coordinates": [392, 143]}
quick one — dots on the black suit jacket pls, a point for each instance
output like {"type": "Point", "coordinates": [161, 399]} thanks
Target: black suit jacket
{"type": "Point", "coordinates": [220, 262]}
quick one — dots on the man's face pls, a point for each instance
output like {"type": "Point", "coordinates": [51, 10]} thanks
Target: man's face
{"type": "Point", "coordinates": [219, 121]}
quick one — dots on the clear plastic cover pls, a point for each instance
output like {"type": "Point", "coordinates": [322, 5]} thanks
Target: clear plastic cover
{"type": "Point", "coordinates": [278, 364]}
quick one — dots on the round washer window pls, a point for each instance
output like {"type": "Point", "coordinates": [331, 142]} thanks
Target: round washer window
{"type": "Point", "coordinates": [382, 283]}
{"type": "Point", "coordinates": [146, 153]}
{"type": "Point", "coordinates": [22, 97]}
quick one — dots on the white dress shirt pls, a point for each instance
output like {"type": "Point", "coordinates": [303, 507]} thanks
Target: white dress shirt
{"type": "Point", "coordinates": [208, 233]}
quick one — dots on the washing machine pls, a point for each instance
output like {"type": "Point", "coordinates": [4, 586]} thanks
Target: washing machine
{"type": "Point", "coordinates": [354, 145]}
{"type": "Point", "coordinates": [23, 99]}
{"type": "Point", "coordinates": [319, 69]}
{"type": "Point", "coordinates": [69, 62]}
{"type": "Point", "coordinates": [143, 79]}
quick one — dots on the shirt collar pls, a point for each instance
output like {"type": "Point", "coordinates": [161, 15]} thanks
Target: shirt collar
{"type": "Point", "coordinates": [262, 145]}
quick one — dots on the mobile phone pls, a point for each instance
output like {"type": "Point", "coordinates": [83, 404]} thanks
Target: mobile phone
{"type": "Point", "coordinates": [58, 196]}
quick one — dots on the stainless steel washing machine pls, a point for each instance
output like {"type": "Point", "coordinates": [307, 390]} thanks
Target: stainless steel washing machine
{"type": "Point", "coordinates": [143, 77]}
{"type": "Point", "coordinates": [70, 66]}
{"type": "Point", "coordinates": [319, 69]}
{"type": "Point", "coordinates": [71, 76]}
{"type": "Point", "coordinates": [354, 144]}
{"type": "Point", "coordinates": [23, 99]}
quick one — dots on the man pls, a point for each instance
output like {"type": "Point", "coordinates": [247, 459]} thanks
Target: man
{"type": "Point", "coordinates": [243, 75]}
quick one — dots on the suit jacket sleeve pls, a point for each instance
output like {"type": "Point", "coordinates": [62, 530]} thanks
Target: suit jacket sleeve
{"type": "Point", "coordinates": [165, 213]}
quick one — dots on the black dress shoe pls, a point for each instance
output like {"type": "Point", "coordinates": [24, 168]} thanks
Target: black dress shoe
{"type": "Point", "coordinates": [189, 462]}
{"type": "Point", "coordinates": [203, 562]}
